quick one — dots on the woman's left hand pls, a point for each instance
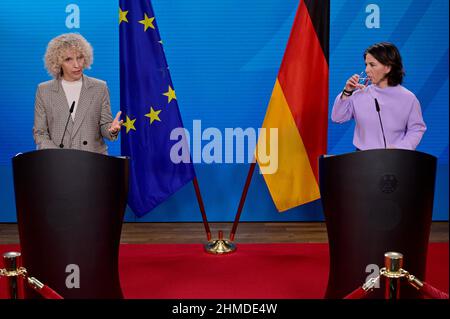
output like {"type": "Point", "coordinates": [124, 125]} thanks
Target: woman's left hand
{"type": "Point", "coordinates": [116, 124]}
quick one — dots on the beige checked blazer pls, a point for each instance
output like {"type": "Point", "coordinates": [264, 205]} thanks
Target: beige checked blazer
{"type": "Point", "coordinates": [92, 118]}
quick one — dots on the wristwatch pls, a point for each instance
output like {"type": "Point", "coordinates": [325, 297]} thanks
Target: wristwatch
{"type": "Point", "coordinates": [347, 93]}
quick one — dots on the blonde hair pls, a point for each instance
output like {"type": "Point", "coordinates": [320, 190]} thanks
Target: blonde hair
{"type": "Point", "coordinates": [58, 46]}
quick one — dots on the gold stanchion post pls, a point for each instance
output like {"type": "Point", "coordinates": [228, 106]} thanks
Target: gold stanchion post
{"type": "Point", "coordinates": [393, 263]}
{"type": "Point", "coordinates": [12, 261]}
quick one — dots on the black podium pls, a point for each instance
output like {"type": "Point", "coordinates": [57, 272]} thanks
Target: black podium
{"type": "Point", "coordinates": [376, 201]}
{"type": "Point", "coordinates": [70, 206]}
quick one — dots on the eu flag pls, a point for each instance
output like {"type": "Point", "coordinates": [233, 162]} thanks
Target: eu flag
{"type": "Point", "coordinates": [149, 109]}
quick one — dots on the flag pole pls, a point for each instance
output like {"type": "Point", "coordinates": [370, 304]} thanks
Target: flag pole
{"type": "Point", "coordinates": [242, 201]}
{"type": "Point", "coordinates": [202, 208]}
{"type": "Point", "coordinates": [222, 246]}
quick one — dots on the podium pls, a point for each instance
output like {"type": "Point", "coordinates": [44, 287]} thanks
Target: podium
{"type": "Point", "coordinates": [376, 201]}
{"type": "Point", "coordinates": [70, 206]}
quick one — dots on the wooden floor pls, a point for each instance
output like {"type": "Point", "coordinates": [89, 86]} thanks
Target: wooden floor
{"type": "Point", "coordinates": [188, 233]}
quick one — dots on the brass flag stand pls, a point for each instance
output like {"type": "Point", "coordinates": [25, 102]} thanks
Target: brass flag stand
{"type": "Point", "coordinates": [222, 246]}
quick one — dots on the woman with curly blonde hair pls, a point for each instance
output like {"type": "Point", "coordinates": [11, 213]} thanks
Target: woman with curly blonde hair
{"type": "Point", "coordinates": [56, 50]}
{"type": "Point", "coordinates": [73, 110]}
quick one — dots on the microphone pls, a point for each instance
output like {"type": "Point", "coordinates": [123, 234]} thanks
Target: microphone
{"type": "Point", "coordinates": [377, 107]}
{"type": "Point", "coordinates": [70, 114]}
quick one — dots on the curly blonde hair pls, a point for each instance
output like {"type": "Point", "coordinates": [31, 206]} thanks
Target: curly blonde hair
{"type": "Point", "coordinates": [57, 47]}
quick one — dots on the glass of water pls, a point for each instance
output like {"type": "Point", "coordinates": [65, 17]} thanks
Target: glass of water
{"type": "Point", "coordinates": [364, 79]}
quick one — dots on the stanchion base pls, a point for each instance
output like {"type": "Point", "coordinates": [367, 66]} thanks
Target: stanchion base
{"type": "Point", "coordinates": [220, 247]}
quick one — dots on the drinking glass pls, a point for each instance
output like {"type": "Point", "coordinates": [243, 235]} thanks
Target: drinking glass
{"type": "Point", "coordinates": [364, 79]}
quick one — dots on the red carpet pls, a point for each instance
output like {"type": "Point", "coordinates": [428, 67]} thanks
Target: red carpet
{"type": "Point", "coordinates": [254, 271]}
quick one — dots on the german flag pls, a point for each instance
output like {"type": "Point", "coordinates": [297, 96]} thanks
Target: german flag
{"type": "Point", "coordinates": [298, 108]}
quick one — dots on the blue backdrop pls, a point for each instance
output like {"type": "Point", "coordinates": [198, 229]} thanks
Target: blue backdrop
{"type": "Point", "coordinates": [224, 56]}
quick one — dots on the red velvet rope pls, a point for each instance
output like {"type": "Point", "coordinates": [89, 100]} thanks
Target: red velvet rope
{"type": "Point", "coordinates": [46, 292]}
{"type": "Point", "coordinates": [49, 293]}
{"type": "Point", "coordinates": [431, 292]}
{"type": "Point", "coordinates": [358, 293]}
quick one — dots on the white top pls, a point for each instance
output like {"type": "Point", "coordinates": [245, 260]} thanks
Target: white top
{"type": "Point", "coordinates": [72, 90]}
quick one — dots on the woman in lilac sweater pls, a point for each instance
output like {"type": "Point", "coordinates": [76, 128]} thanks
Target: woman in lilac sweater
{"type": "Point", "coordinates": [399, 109]}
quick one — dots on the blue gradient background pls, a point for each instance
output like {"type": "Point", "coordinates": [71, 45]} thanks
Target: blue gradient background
{"type": "Point", "coordinates": [224, 56]}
